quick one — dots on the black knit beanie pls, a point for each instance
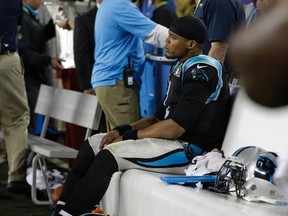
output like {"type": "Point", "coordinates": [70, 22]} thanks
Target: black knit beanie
{"type": "Point", "coordinates": [190, 28]}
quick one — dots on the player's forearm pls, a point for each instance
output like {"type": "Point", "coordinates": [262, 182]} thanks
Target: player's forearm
{"type": "Point", "coordinates": [218, 50]}
{"type": "Point", "coordinates": [157, 36]}
{"type": "Point", "coordinates": [167, 129]}
{"type": "Point", "coordinates": [144, 123]}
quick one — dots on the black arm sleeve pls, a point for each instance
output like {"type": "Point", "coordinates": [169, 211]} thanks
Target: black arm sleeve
{"type": "Point", "coordinates": [49, 30]}
{"type": "Point", "coordinates": [191, 104]}
{"type": "Point", "coordinates": [160, 111]}
{"type": "Point", "coordinates": [198, 85]}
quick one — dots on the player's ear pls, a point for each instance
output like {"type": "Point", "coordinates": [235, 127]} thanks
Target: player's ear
{"type": "Point", "coordinates": [191, 44]}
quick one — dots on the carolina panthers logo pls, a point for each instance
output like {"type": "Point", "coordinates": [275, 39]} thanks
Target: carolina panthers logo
{"type": "Point", "coordinates": [199, 75]}
{"type": "Point", "coordinates": [265, 168]}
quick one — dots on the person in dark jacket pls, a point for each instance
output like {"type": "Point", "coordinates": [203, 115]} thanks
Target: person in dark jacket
{"type": "Point", "coordinates": [221, 18]}
{"type": "Point", "coordinates": [84, 45]}
{"type": "Point", "coordinates": [32, 42]}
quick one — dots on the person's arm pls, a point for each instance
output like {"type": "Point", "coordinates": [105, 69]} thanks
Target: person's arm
{"type": "Point", "coordinates": [27, 54]}
{"type": "Point", "coordinates": [144, 123]}
{"type": "Point", "coordinates": [133, 21]}
{"type": "Point", "coordinates": [218, 50]}
{"type": "Point", "coordinates": [30, 56]}
{"type": "Point", "coordinates": [157, 36]}
{"type": "Point", "coordinates": [166, 129]}
{"type": "Point", "coordinates": [66, 24]}
{"type": "Point", "coordinates": [49, 30]}
{"type": "Point", "coordinates": [116, 134]}
{"type": "Point", "coordinates": [220, 26]}
{"type": "Point", "coordinates": [189, 107]}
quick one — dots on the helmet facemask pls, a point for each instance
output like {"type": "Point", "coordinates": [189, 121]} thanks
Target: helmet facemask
{"type": "Point", "coordinates": [231, 177]}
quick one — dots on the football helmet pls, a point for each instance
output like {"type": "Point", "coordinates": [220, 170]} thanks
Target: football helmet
{"type": "Point", "coordinates": [248, 173]}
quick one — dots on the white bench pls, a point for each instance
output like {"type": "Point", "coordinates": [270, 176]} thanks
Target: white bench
{"type": "Point", "coordinates": [68, 106]}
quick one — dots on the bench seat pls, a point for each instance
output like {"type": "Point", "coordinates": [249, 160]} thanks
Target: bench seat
{"type": "Point", "coordinates": [50, 148]}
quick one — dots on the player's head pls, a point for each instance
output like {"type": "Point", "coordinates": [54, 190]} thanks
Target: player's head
{"type": "Point", "coordinates": [186, 37]}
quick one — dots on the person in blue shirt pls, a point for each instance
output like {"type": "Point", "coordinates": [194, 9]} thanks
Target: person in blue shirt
{"type": "Point", "coordinates": [14, 110]}
{"type": "Point", "coordinates": [191, 120]}
{"type": "Point", "coordinates": [120, 29]}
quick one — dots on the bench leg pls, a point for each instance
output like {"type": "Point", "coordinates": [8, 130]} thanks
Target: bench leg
{"type": "Point", "coordinates": [30, 158]}
{"type": "Point", "coordinates": [37, 160]}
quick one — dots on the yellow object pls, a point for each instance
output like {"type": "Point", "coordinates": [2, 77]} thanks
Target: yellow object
{"type": "Point", "coordinates": [184, 8]}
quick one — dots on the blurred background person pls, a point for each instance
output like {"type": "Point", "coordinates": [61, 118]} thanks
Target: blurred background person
{"type": "Point", "coordinates": [163, 13]}
{"type": "Point", "coordinates": [120, 29]}
{"type": "Point", "coordinates": [14, 110]}
{"type": "Point", "coordinates": [185, 7]}
{"type": "Point", "coordinates": [261, 7]}
{"type": "Point", "coordinates": [221, 18]}
{"type": "Point", "coordinates": [84, 45]}
{"type": "Point", "coordinates": [32, 42]}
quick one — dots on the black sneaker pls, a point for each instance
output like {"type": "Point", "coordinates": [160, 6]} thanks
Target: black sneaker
{"type": "Point", "coordinates": [22, 187]}
{"type": "Point", "coordinates": [19, 187]}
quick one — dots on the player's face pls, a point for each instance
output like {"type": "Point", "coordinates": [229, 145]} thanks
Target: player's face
{"type": "Point", "coordinates": [176, 46]}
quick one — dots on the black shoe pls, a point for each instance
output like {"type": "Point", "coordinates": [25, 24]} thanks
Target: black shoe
{"type": "Point", "coordinates": [19, 187]}
{"type": "Point", "coordinates": [22, 187]}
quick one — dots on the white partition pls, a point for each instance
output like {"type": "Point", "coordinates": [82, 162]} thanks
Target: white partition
{"type": "Point", "coordinates": [142, 193]}
{"type": "Point", "coordinates": [252, 124]}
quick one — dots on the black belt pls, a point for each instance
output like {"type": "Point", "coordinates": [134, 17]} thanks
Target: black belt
{"type": "Point", "coordinates": [6, 52]}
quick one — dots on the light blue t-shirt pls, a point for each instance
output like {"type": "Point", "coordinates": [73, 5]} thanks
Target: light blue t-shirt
{"type": "Point", "coordinates": [119, 28]}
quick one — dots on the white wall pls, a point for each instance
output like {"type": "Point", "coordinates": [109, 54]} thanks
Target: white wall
{"type": "Point", "coordinates": [252, 124]}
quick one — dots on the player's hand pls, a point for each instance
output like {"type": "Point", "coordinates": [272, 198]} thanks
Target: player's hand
{"type": "Point", "coordinates": [56, 63]}
{"type": "Point", "coordinates": [109, 138]}
{"type": "Point", "coordinates": [89, 91]}
{"type": "Point", "coordinates": [63, 23]}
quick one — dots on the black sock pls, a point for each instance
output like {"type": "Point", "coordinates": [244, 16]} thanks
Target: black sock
{"type": "Point", "coordinates": [82, 164]}
{"type": "Point", "coordinates": [90, 190]}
